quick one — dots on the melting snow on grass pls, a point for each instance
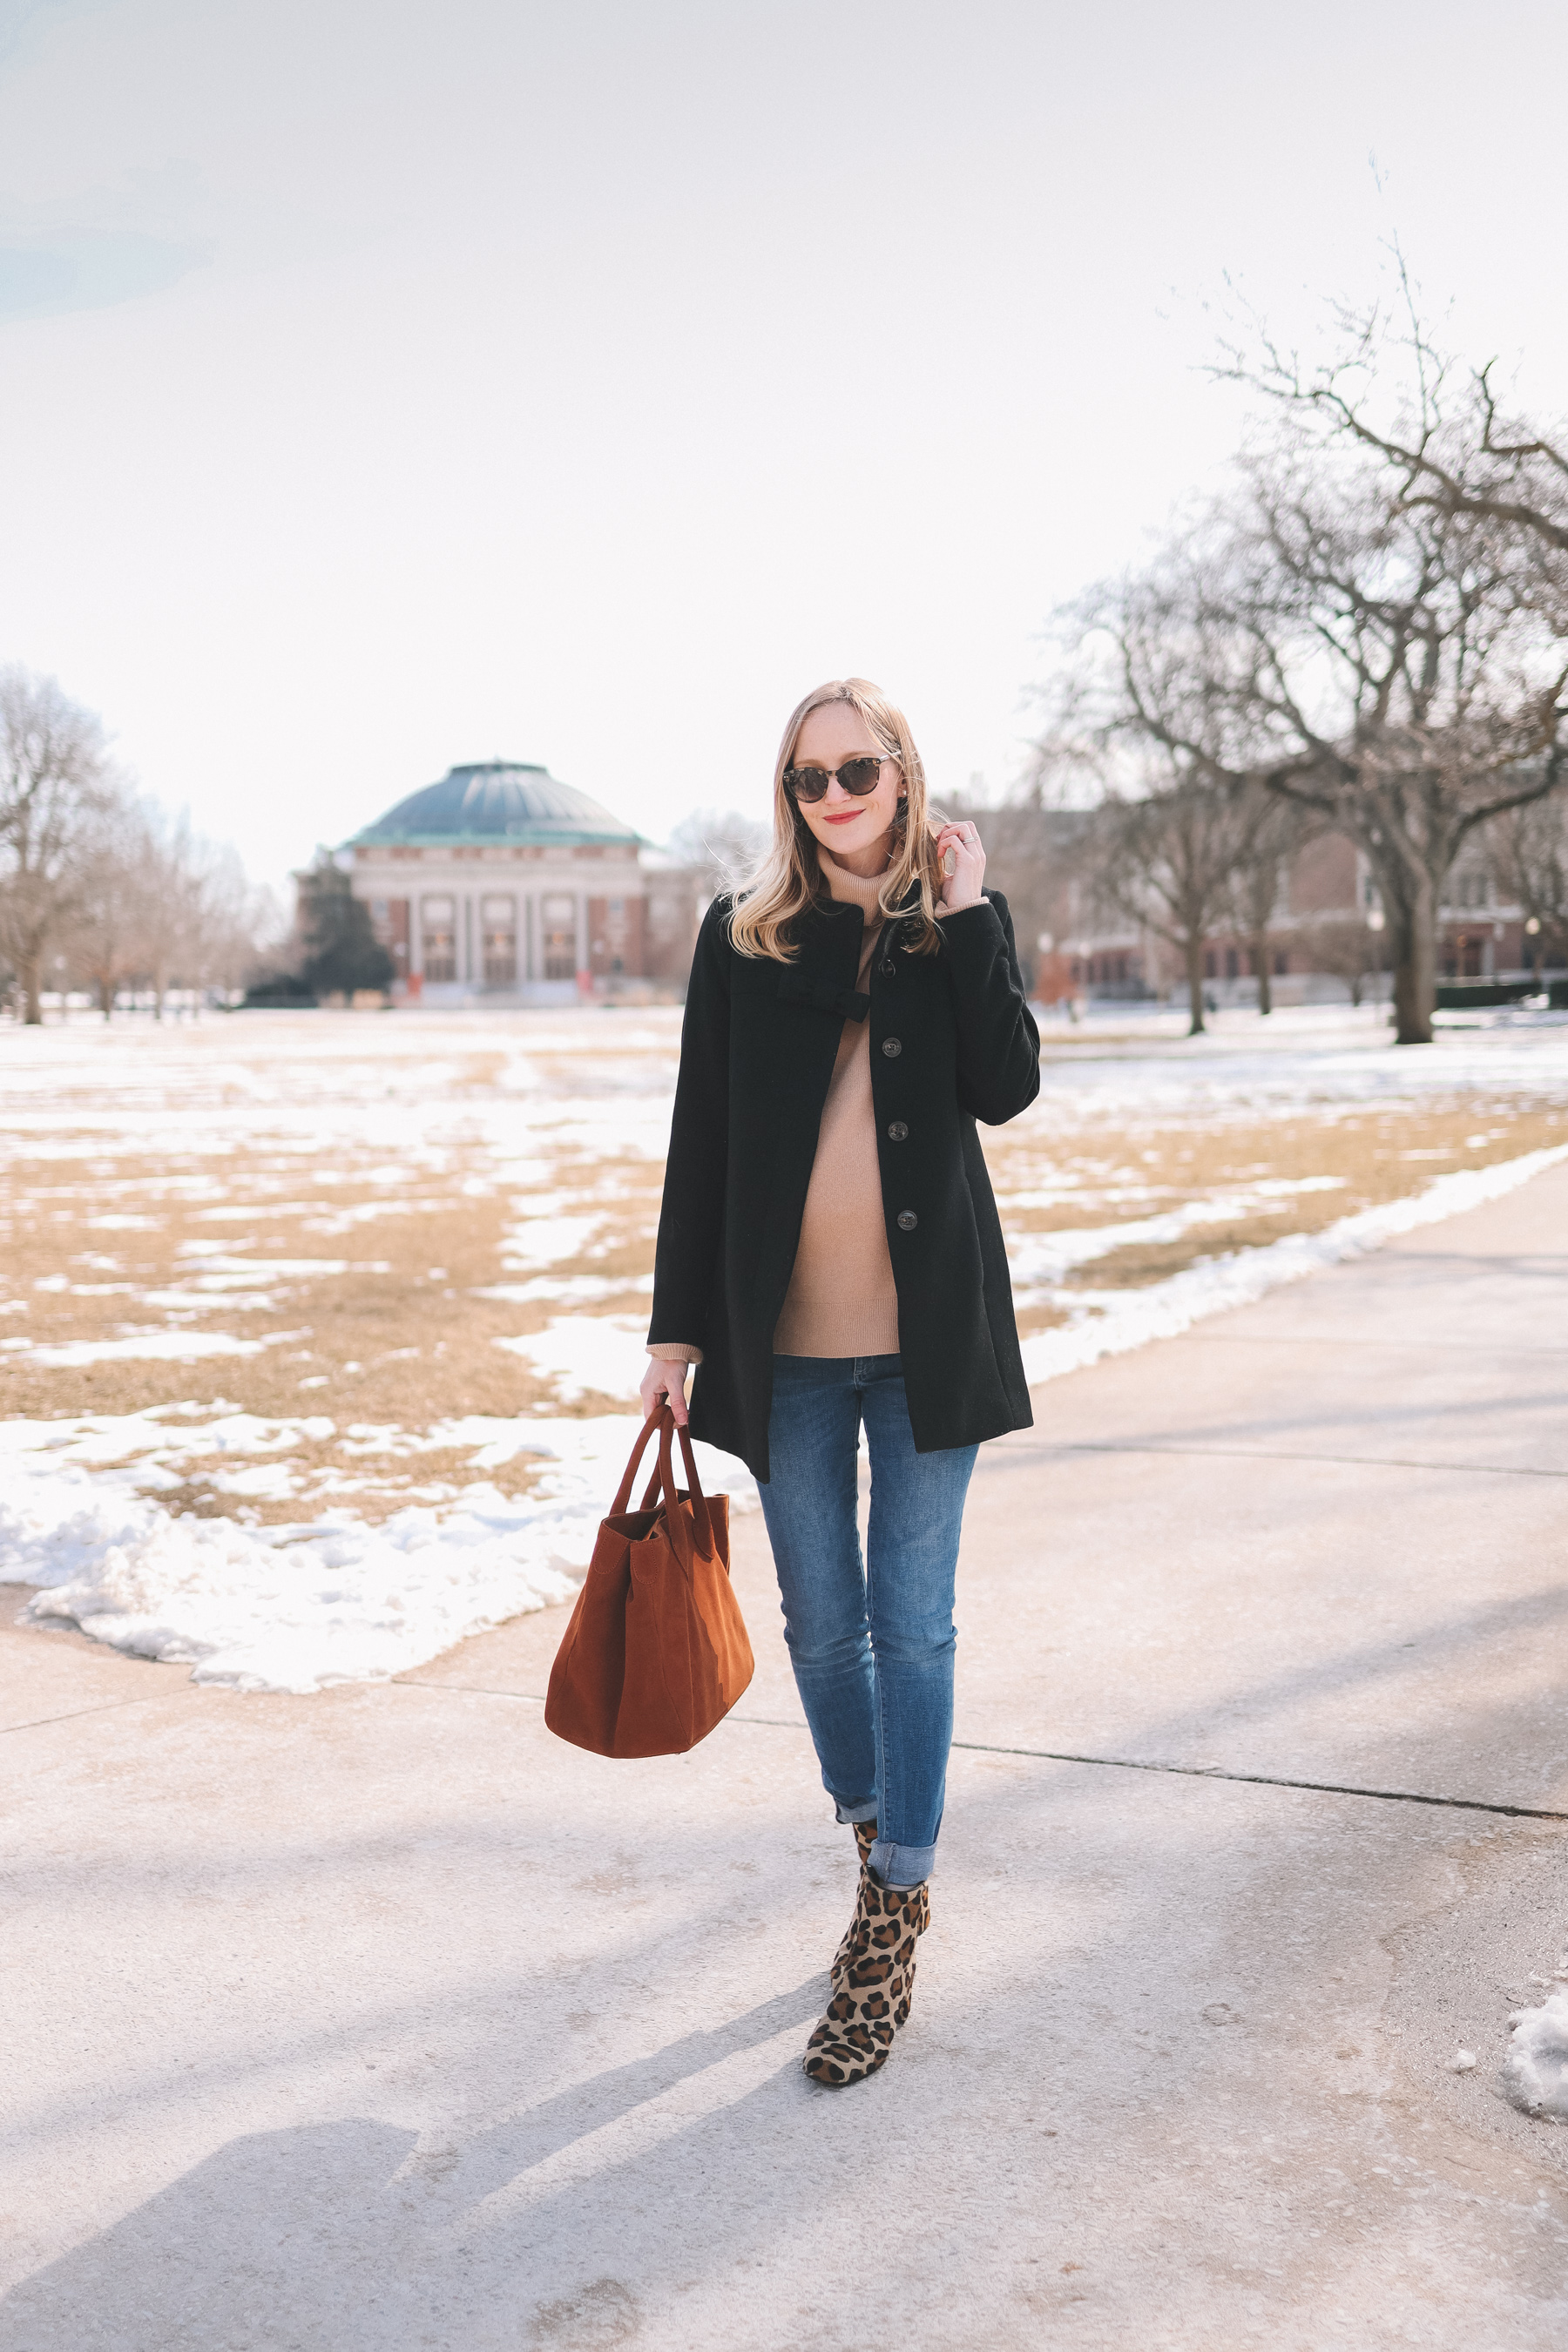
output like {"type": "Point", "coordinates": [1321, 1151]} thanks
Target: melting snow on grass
{"type": "Point", "coordinates": [334, 1598]}
{"type": "Point", "coordinates": [295, 1608]}
{"type": "Point", "coordinates": [1112, 1322]}
{"type": "Point", "coordinates": [583, 1352]}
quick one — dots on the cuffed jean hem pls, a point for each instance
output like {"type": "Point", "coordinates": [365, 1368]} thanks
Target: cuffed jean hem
{"type": "Point", "coordinates": [900, 1867]}
{"type": "Point", "coordinates": [865, 1810]}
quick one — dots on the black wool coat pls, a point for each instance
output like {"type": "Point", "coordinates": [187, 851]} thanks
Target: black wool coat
{"type": "Point", "coordinates": [952, 1040]}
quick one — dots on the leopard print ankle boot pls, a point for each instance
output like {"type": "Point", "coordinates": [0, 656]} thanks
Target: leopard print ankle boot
{"type": "Point", "coordinates": [872, 1998]}
{"type": "Point", "coordinates": [865, 1839]}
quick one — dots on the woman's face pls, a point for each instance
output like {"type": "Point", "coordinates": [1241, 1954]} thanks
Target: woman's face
{"type": "Point", "coordinates": [855, 831]}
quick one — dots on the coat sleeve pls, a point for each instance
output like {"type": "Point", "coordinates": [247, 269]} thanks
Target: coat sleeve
{"type": "Point", "coordinates": [998, 1043]}
{"type": "Point", "coordinates": [691, 1217]}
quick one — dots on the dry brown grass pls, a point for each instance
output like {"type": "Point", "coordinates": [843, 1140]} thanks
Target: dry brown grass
{"type": "Point", "coordinates": [1373, 1157]}
{"type": "Point", "coordinates": [107, 1235]}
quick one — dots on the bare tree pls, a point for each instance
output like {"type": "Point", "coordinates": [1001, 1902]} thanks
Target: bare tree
{"type": "Point", "coordinates": [1437, 424]}
{"type": "Point", "coordinates": [1447, 449]}
{"type": "Point", "coordinates": [1166, 861]}
{"type": "Point", "coordinates": [1374, 663]}
{"type": "Point", "coordinates": [720, 844]}
{"type": "Point", "coordinates": [1350, 950]}
{"type": "Point", "coordinates": [108, 921]}
{"type": "Point", "coordinates": [1400, 686]}
{"type": "Point", "coordinates": [1528, 854]}
{"type": "Point", "coordinates": [167, 899]}
{"type": "Point", "coordinates": [232, 923]}
{"type": "Point", "coordinates": [105, 879]}
{"type": "Point", "coordinates": [154, 903]}
{"type": "Point", "coordinates": [200, 922]}
{"type": "Point", "coordinates": [54, 787]}
{"type": "Point", "coordinates": [166, 887]}
{"type": "Point", "coordinates": [1269, 830]}
{"type": "Point", "coordinates": [1185, 840]}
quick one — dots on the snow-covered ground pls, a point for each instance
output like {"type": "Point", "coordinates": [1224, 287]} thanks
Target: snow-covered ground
{"type": "Point", "coordinates": [298, 1606]}
{"type": "Point", "coordinates": [1535, 2070]}
{"type": "Point", "coordinates": [275, 1158]}
{"type": "Point", "coordinates": [1109, 1323]}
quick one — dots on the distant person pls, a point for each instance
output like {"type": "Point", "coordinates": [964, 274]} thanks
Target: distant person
{"type": "Point", "coordinates": [829, 1254]}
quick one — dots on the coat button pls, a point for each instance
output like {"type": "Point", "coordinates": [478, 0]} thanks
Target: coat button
{"type": "Point", "coordinates": [891, 1047]}
{"type": "Point", "coordinates": [908, 1221]}
{"type": "Point", "coordinates": [897, 1131]}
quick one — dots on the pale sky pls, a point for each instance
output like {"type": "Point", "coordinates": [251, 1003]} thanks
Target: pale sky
{"type": "Point", "coordinates": [383, 386]}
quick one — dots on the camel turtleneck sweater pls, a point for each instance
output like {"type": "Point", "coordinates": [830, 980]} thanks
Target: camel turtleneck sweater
{"type": "Point", "coordinates": [842, 1300]}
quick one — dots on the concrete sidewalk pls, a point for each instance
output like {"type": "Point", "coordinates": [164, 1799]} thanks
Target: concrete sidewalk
{"type": "Point", "coordinates": [383, 2020]}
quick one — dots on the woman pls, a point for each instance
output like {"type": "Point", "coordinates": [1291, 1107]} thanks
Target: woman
{"type": "Point", "coordinates": [829, 1254]}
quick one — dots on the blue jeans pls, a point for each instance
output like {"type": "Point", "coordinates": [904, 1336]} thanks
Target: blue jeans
{"type": "Point", "coordinates": [871, 1646]}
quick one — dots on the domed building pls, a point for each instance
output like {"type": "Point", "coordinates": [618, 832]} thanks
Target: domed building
{"type": "Point", "coordinates": [501, 882]}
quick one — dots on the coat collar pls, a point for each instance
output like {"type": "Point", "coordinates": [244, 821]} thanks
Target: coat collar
{"type": "Point", "coordinates": [828, 938]}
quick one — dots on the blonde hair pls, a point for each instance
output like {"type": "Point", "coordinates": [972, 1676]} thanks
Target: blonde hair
{"type": "Point", "coordinates": [789, 878]}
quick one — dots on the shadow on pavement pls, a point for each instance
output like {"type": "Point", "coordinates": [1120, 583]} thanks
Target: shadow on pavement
{"type": "Point", "coordinates": [345, 2234]}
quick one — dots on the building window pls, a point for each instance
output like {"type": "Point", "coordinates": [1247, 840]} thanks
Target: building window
{"type": "Point", "coordinates": [559, 916]}
{"type": "Point", "coordinates": [1281, 962]}
{"type": "Point", "coordinates": [498, 923]}
{"type": "Point", "coordinates": [1232, 963]}
{"type": "Point", "coordinates": [438, 927]}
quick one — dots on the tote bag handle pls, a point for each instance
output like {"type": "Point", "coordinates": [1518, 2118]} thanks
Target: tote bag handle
{"type": "Point", "coordinates": [700, 1519]}
{"type": "Point", "coordinates": [664, 1476]}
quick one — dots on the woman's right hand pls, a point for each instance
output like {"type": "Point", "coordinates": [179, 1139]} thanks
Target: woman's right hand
{"type": "Point", "coordinates": [663, 1383]}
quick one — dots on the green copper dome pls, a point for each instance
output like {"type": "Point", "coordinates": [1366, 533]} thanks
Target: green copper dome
{"type": "Point", "coordinates": [497, 800]}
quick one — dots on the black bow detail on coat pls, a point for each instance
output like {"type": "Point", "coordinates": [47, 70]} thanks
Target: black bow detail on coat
{"type": "Point", "coordinates": [796, 988]}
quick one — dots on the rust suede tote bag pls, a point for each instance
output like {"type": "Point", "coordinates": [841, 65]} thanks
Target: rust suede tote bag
{"type": "Point", "coordinates": [656, 1652]}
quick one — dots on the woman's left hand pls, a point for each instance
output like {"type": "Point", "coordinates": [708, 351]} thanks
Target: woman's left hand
{"type": "Point", "coordinates": [962, 887]}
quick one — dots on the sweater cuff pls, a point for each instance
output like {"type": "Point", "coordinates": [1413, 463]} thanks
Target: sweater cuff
{"type": "Point", "coordinates": [674, 1351]}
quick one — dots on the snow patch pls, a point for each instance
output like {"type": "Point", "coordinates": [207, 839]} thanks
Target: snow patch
{"type": "Point", "coordinates": [1535, 2071]}
{"type": "Point", "coordinates": [298, 1608]}
{"type": "Point", "coordinates": [1112, 1323]}
{"type": "Point", "coordinates": [580, 1352]}
{"type": "Point", "coordinates": [173, 1347]}
{"type": "Point", "coordinates": [545, 1241]}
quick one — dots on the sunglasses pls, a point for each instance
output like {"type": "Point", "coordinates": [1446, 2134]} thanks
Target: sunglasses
{"type": "Point", "coordinates": [858, 777]}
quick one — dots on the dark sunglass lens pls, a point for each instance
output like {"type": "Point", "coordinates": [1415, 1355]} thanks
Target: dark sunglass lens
{"type": "Point", "coordinates": [859, 776]}
{"type": "Point", "coordinates": [805, 783]}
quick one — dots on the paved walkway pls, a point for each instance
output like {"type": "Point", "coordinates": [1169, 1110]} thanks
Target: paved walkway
{"type": "Point", "coordinates": [383, 2020]}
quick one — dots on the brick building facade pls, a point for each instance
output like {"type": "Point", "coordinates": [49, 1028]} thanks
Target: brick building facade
{"type": "Point", "coordinates": [502, 884]}
{"type": "Point", "coordinates": [1324, 936]}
